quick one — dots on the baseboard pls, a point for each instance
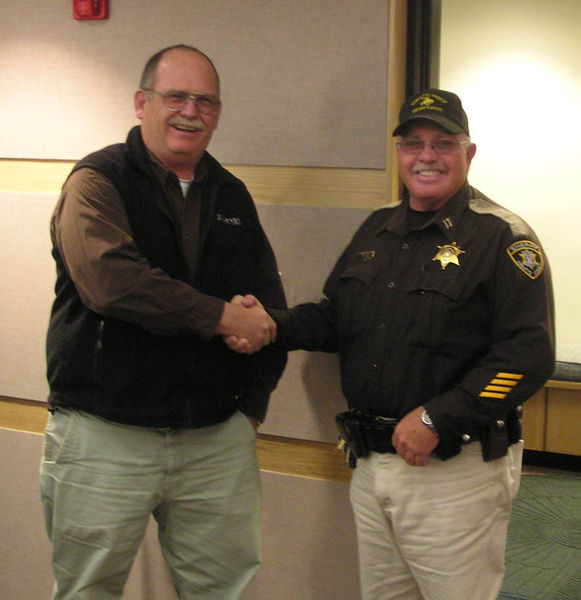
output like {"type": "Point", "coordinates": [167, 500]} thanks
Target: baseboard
{"type": "Point", "coordinates": [552, 460]}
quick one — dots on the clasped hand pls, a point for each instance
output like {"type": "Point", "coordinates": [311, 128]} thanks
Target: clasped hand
{"type": "Point", "coordinates": [245, 326]}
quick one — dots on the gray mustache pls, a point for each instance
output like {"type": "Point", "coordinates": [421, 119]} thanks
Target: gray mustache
{"type": "Point", "coordinates": [424, 167]}
{"type": "Point", "coordinates": [194, 124]}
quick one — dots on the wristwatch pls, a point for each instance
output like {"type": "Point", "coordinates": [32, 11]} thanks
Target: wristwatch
{"type": "Point", "coordinates": [427, 421]}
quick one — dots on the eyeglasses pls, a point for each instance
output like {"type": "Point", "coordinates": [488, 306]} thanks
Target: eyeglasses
{"type": "Point", "coordinates": [176, 101]}
{"type": "Point", "coordinates": [440, 147]}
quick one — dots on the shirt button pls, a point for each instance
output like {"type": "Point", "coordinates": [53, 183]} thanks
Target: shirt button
{"type": "Point", "coordinates": [391, 284]}
{"type": "Point", "coordinates": [405, 246]}
{"type": "Point", "coordinates": [374, 366]}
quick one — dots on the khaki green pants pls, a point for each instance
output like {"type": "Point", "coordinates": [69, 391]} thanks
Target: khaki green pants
{"type": "Point", "coordinates": [101, 481]}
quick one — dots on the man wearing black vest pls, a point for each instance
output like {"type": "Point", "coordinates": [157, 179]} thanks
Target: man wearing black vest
{"type": "Point", "coordinates": [151, 413]}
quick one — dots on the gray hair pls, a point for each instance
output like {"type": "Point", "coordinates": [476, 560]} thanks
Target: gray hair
{"type": "Point", "coordinates": [150, 71]}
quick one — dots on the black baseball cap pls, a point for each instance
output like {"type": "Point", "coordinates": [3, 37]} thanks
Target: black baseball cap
{"type": "Point", "coordinates": [442, 107]}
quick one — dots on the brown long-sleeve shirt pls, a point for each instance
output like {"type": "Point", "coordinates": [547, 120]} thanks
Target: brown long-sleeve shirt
{"type": "Point", "coordinates": [92, 232]}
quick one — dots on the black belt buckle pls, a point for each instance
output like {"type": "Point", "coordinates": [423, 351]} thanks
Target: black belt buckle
{"type": "Point", "coordinates": [378, 432]}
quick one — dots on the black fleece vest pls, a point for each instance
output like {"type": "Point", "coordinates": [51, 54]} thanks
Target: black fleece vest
{"type": "Point", "coordinates": [124, 373]}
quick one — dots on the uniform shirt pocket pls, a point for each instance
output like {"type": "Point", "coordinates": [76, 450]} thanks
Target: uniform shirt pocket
{"type": "Point", "coordinates": [356, 297]}
{"type": "Point", "coordinates": [434, 305]}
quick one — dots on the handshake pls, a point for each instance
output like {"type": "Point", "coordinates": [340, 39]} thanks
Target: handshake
{"type": "Point", "coordinates": [245, 326]}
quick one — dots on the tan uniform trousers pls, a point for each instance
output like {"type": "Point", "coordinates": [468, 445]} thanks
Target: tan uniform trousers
{"type": "Point", "coordinates": [436, 532]}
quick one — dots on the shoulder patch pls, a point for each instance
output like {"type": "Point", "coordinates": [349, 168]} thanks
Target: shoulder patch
{"type": "Point", "coordinates": [528, 257]}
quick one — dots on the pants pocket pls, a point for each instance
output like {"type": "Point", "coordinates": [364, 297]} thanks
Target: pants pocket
{"type": "Point", "coordinates": [57, 437]}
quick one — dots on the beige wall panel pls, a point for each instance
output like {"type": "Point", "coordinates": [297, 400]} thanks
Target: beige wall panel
{"type": "Point", "coordinates": [310, 550]}
{"type": "Point", "coordinates": [307, 398]}
{"type": "Point", "coordinates": [302, 82]}
{"type": "Point", "coordinates": [25, 571]}
{"type": "Point", "coordinates": [26, 292]}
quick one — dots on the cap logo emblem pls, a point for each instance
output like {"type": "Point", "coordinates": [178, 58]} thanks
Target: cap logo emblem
{"type": "Point", "coordinates": [528, 257]}
{"type": "Point", "coordinates": [427, 102]}
{"type": "Point", "coordinates": [448, 254]}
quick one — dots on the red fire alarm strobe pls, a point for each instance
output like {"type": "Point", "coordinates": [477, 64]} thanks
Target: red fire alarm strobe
{"type": "Point", "coordinates": [90, 9]}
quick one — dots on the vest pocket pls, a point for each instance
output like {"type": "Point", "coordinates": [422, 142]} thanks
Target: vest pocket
{"type": "Point", "coordinates": [115, 355]}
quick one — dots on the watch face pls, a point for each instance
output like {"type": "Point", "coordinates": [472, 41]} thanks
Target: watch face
{"type": "Point", "coordinates": [427, 421]}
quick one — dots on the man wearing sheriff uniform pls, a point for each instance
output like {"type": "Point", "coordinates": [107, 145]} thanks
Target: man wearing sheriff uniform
{"type": "Point", "coordinates": [441, 309]}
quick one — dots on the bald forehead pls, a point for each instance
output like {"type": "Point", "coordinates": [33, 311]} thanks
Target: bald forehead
{"type": "Point", "coordinates": [173, 53]}
{"type": "Point", "coordinates": [189, 58]}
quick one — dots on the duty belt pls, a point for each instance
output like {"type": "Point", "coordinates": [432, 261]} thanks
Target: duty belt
{"type": "Point", "coordinates": [362, 433]}
{"type": "Point", "coordinates": [378, 431]}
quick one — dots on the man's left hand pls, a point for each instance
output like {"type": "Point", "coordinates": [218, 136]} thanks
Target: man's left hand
{"type": "Point", "coordinates": [414, 441]}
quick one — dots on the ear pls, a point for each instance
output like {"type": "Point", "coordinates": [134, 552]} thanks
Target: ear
{"type": "Point", "coordinates": [217, 116]}
{"type": "Point", "coordinates": [139, 101]}
{"type": "Point", "coordinates": [470, 152]}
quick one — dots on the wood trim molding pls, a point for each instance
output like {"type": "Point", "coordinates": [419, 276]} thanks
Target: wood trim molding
{"type": "Point", "coordinates": [303, 458]}
{"type": "Point", "coordinates": [287, 456]}
{"type": "Point", "coordinates": [563, 385]}
{"type": "Point", "coordinates": [23, 415]}
{"type": "Point", "coordinates": [300, 186]}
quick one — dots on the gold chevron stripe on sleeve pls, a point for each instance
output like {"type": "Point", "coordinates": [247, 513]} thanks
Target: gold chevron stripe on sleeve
{"type": "Point", "coordinates": [497, 388]}
{"type": "Point", "coordinates": [516, 376]}
{"type": "Point", "coordinates": [492, 395]}
{"type": "Point", "coordinates": [500, 385]}
{"type": "Point", "coordinates": [503, 382]}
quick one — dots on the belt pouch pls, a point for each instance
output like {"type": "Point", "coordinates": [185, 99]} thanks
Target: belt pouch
{"type": "Point", "coordinates": [494, 442]}
{"type": "Point", "coordinates": [350, 429]}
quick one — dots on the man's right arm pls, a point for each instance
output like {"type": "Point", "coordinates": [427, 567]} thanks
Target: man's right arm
{"type": "Point", "coordinates": [91, 230]}
{"type": "Point", "coordinates": [307, 326]}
